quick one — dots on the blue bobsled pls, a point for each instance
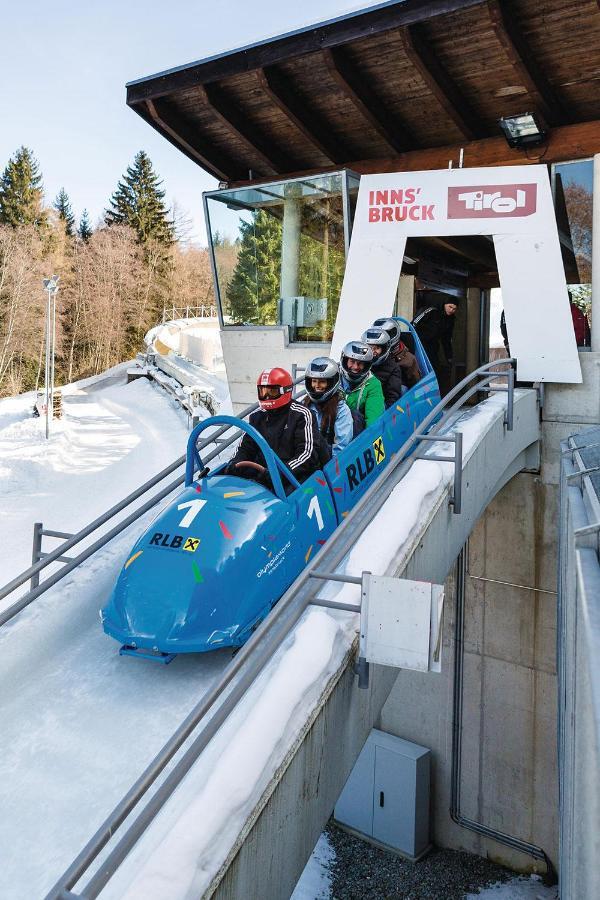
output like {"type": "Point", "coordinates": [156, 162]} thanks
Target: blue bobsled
{"type": "Point", "coordinates": [216, 560]}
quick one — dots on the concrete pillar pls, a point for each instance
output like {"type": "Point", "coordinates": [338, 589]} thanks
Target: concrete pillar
{"type": "Point", "coordinates": [473, 316]}
{"type": "Point", "coordinates": [290, 247]}
{"type": "Point", "coordinates": [596, 256]}
{"type": "Point", "coordinates": [405, 297]}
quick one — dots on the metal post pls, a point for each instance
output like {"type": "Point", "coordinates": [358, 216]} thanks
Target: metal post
{"type": "Point", "coordinates": [51, 286]}
{"type": "Point", "coordinates": [35, 552]}
{"type": "Point", "coordinates": [47, 366]}
{"type": "Point", "coordinates": [457, 493]}
{"type": "Point", "coordinates": [596, 256]}
{"type": "Point", "coordinates": [508, 416]}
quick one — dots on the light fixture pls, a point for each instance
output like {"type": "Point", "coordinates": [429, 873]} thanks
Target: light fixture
{"type": "Point", "coordinates": [523, 131]}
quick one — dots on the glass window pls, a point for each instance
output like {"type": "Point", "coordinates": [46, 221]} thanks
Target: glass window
{"type": "Point", "coordinates": [279, 252]}
{"type": "Point", "coordinates": [573, 190]}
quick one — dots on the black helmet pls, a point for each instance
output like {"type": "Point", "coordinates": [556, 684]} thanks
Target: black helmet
{"type": "Point", "coordinates": [377, 337]}
{"type": "Point", "coordinates": [362, 352]}
{"type": "Point", "coordinates": [326, 369]}
{"type": "Point", "coordinates": [392, 328]}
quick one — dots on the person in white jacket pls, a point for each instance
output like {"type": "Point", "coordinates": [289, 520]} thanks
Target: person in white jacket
{"type": "Point", "coordinates": [326, 400]}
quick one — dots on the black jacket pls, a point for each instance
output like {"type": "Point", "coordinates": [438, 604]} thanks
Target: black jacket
{"type": "Point", "coordinates": [433, 325]}
{"type": "Point", "coordinates": [389, 374]}
{"type": "Point", "coordinates": [292, 433]}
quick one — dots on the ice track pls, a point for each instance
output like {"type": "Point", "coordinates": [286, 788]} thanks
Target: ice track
{"type": "Point", "coordinates": [79, 723]}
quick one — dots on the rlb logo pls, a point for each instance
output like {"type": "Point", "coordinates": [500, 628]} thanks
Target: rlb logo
{"type": "Point", "coordinates": [364, 464]}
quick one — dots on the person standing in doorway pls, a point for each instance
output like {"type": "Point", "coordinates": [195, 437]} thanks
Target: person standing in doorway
{"type": "Point", "coordinates": [435, 327]}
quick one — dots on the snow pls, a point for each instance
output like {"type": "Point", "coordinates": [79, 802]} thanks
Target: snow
{"type": "Point", "coordinates": [190, 839]}
{"type": "Point", "coordinates": [79, 722]}
{"type": "Point", "coordinates": [315, 881]}
{"type": "Point", "coordinates": [520, 888]}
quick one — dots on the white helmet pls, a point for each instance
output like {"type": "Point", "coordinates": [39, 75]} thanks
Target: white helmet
{"type": "Point", "coordinates": [363, 353]}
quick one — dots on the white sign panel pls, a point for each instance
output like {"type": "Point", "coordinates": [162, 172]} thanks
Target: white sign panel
{"type": "Point", "coordinates": [401, 622]}
{"type": "Point", "coordinates": [511, 204]}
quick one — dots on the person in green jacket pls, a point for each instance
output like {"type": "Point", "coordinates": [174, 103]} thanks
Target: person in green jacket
{"type": "Point", "coordinates": [363, 391]}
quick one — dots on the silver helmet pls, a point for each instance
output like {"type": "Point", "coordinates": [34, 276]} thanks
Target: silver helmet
{"type": "Point", "coordinates": [377, 337]}
{"type": "Point", "coordinates": [392, 328]}
{"type": "Point", "coordinates": [363, 353]}
{"type": "Point", "coordinates": [325, 369]}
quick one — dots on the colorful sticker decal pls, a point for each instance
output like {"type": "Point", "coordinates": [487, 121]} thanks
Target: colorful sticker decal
{"type": "Point", "coordinates": [234, 494]}
{"type": "Point", "coordinates": [197, 576]}
{"type": "Point", "coordinates": [132, 558]}
{"type": "Point", "coordinates": [191, 544]}
{"type": "Point", "coordinates": [226, 531]}
{"type": "Point", "coordinates": [399, 408]}
{"type": "Point", "coordinates": [379, 450]}
{"type": "Point", "coordinates": [308, 552]}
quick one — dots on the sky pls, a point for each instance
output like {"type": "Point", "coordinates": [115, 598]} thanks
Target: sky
{"type": "Point", "coordinates": [63, 69]}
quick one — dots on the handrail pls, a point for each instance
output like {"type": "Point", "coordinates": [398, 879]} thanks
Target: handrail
{"type": "Point", "coordinates": [274, 465]}
{"type": "Point", "coordinates": [55, 556]}
{"type": "Point", "coordinates": [34, 570]}
{"type": "Point", "coordinates": [248, 663]}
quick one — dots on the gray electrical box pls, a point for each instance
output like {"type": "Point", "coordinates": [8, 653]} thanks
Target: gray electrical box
{"type": "Point", "coordinates": [386, 797]}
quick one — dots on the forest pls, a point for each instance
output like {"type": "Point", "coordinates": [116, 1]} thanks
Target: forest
{"type": "Point", "coordinates": [117, 277]}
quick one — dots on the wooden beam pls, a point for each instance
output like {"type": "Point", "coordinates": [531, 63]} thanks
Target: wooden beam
{"type": "Point", "coordinates": [356, 88]}
{"type": "Point", "coordinates": [472, 250]}
{"type": "Point", "coordinates": [569, 142]}
{"type": "Point", "coordinates": [178, 132]}
{"type": "Point", "coordinates": [313, 38]}
{"type": "Point", "coordinates": [439, 83]}
{"type": "Point", "coordinates": [230, 115]}
{"type": "Point", "coordinates": [315, 129]}
{"type": "Point", "coordinates": [526, 68]}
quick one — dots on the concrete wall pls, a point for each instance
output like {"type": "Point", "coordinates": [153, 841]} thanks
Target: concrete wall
{"type": "Point", "coordinates": [510, 695]}
{"type": "Point", "coordinates": [247, 351]}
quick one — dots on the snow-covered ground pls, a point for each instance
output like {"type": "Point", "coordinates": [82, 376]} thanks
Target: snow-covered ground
{"type": "Point", "coordinates": [520, 888]}
{"type": "Point", "coordinates": [79, 723]}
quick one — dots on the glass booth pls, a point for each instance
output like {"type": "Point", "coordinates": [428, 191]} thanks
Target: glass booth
{"type": "Point", "coordinates": [279, 250]}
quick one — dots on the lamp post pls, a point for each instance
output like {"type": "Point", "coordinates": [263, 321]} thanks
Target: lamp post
{"type": "Point", "coordinates": [51, 286]}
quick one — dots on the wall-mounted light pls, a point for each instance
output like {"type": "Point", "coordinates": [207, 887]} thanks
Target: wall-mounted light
{"type": "Point", "coordinates": [523, 131]}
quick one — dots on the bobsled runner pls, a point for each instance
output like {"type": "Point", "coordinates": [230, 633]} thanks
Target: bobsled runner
{"type": "Point", "coordinates": [216, 560]}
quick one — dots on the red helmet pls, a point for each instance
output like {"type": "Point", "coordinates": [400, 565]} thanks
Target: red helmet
{"type": "Point", "coordinates": [274, 388]}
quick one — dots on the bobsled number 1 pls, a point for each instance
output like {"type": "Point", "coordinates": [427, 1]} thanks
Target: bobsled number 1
{"type": "Point", "coordinates": [193, 508]}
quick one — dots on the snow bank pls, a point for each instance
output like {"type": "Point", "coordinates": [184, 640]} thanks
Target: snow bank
{"type": "Point", "coordinates": [521, 888]}
{"type": "Point", "coordinates": [189, 841]}
{"type": "Point", "coordinates": [315, 881]}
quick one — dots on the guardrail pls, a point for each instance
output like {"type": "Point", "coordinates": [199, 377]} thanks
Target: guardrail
{"type": "Point", "coordinates": [249, 662]}
{"type": "Point", "coordinates": [578, 652]}
{"type": "Point", "coordinates": [42, 561]}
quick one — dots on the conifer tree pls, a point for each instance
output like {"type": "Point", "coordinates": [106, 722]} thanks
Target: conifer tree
{"type": "Point", "coordinates": [139, 202]}
{"type": "Point", "coordinates": [62, 205]}
{"type": "Point", "coordinates": [21, 191]}
{"type": "Point", "coordinates": [253, 290]}
{"type": "Point", "coordinates": [85, 229]}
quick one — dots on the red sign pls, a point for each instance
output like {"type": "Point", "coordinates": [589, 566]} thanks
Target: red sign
{"type": "Point", "coordinates": [492, 201]}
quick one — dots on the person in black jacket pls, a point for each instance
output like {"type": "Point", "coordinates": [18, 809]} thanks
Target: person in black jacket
{"type": "Point", "coordinates": [435, 326]}
{"type": "Point", "coordinates": [288, 427]}
{"type": "Point", "coordinates": [385, 367]}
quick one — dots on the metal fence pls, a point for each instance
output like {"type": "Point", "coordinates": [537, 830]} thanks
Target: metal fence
{"type": "Point", "coordinates": [578, 650]}
{"type": "Point", "coordinates": [249, 662]}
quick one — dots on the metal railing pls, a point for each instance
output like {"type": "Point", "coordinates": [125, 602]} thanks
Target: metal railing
{"type": "Point", "coordinates": [204, 311]}
{"type": "Point", "coordinates": [578, 652]}
{"type": "Point", "coordinates": [247, 665]}
{"type": "Point", "coordinates": [42, 561]}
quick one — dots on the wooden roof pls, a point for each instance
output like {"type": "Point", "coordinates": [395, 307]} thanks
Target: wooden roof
{"type": "Point", "coordinates": [372, 89]}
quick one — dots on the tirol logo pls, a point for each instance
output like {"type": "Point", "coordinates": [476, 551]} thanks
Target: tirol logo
{"type": "Point", "coordinates": [492, 201]}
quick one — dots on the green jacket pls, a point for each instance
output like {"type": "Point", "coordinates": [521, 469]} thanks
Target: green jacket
{"type": "Point", "coordinates": [368, 399]}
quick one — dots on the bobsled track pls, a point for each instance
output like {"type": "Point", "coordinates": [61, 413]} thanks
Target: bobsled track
{"type": "Point", "coordinates": [64, 785]}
